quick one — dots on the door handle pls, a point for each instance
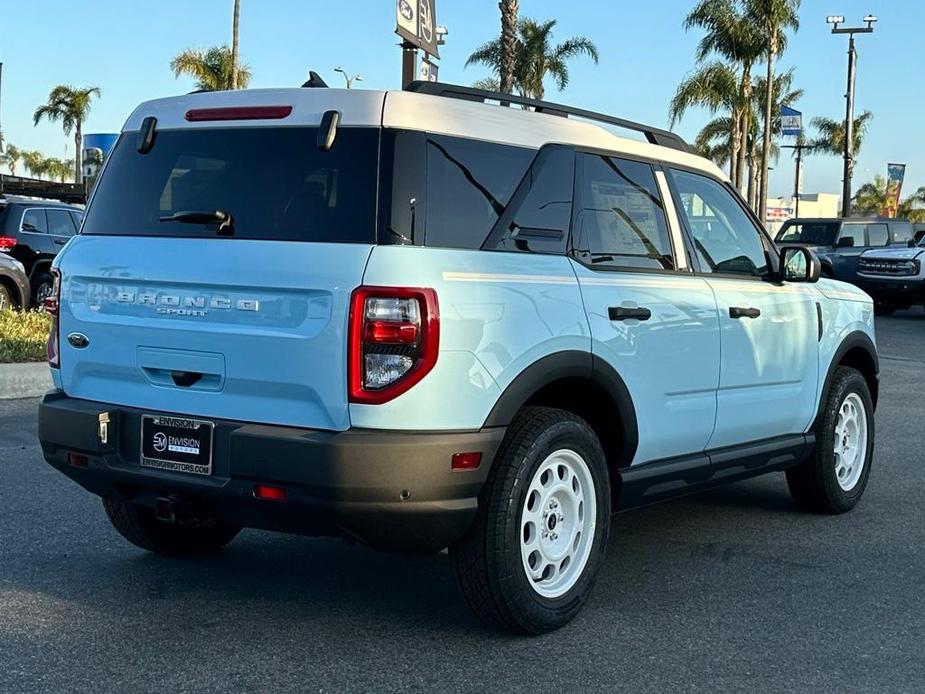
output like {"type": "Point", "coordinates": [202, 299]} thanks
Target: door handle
{"type": "Point", "coordinates": [621, 313]}
{"type": "Point", "coordinates": [740, 312]}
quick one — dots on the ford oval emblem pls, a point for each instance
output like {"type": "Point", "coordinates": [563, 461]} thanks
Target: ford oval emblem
{"type": "Point", "coordinates": [78, 340]}
{"type": "Point", "coordinates": [406, 10]}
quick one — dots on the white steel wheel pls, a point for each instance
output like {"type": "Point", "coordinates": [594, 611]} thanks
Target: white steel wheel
{"type": "Point", "coordinates": [850, 441]}
{"type": "Point", "coordinates": [557, 523]}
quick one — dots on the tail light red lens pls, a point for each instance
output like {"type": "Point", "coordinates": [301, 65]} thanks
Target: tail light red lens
{"type": "Point", "coordinates": [6, 243]}
{"type": "Point", "coordinates": [268, 493]}
{"type": "Point", "coordinates": [394, 339]}
{"type": "Point", "coordinates": [51, 306]}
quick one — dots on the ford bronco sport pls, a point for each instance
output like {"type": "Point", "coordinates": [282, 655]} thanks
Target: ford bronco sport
{"type": "Point", "coordinates": [419, 319]}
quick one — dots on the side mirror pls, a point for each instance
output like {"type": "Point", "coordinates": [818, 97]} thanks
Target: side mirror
{"type": "Point", "coordinates": [845, 242]}
{"type": "Point", "coordinates": [799, 264]}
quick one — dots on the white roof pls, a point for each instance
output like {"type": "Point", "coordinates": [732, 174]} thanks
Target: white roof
{"type": "Point", "coordinates": [412, 111]}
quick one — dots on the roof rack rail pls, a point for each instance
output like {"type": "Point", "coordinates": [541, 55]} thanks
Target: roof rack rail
{"type": "Point", "coordinates": [655, 136]}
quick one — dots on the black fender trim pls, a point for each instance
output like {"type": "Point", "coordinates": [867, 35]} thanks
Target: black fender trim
{"type": "Point", "coordinates": [854, 340]}
{"type": "Point", "coordinates": [570, 364]}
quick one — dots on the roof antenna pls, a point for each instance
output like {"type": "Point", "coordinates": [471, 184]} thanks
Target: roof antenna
{"type": "Point", "coordinates": [314, 81]}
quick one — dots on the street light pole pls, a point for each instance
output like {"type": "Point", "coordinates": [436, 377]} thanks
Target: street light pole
{"type": "Point", "coordinates": [347, 78]}
{"type": "Point", "coordinates": [835, 21]}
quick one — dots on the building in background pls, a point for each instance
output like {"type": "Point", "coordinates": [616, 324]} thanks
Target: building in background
{"type": "Point", "coordinates": [811, 205]}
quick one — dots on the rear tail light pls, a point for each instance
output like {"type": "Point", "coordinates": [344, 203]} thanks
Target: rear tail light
{"type": "Point", "coordinates": [51, 306]}
{"type": "Point", "coordinates": [393, 341]}
{"type": "Point", "coordinates": [6, 243]}
{"type": "Point", "coordinates": [268, 493]}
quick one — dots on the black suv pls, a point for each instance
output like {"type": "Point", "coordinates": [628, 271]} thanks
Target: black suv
{"type": "Point", "coordinates": [33, 231]}
{"type": "Point", "coordinates": [840, 242]}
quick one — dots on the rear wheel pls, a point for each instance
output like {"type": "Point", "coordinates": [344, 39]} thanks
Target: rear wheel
{"type": "Point", "coordinates": [834, 479]}
{"type": "Point", "coordinates": [42, 285]}
{"type": "Point", "coordinates": [138, 525]}
{"type": "Point", "coordinates": [529, 562]}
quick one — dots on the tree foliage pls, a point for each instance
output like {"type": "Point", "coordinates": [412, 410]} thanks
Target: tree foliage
{"type": "Point", "coordinates": [536, 58]}
{"type": "Point", "coordinates": [212, 69]}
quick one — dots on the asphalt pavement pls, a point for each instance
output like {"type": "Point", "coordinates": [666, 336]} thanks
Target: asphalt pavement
{"type": "Point", "coordinates": [730, 590]}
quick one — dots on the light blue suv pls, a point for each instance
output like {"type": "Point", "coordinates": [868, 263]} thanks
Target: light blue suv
{"type": "Point", "coordinates": [417, 320]}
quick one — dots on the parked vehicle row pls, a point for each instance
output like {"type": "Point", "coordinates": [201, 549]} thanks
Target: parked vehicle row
{"type": "Point", "coordinates": [32, 232]}
{"type": "Point", "coordinates": [874, 254]}
{"type": "Point", "coordinates": [420, 321]}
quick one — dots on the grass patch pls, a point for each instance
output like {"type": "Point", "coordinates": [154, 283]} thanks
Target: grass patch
{"type": "Point", "coordinates": [23, 335]}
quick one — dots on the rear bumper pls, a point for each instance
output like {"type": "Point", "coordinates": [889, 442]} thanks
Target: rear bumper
{"type": "Point", "coordinates": [389, 489]}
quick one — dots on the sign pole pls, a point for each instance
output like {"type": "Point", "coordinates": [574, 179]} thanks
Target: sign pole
{"type": "Point", "coordinates": [409, 63]}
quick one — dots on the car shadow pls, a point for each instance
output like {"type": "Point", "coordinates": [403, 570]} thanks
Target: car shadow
{"type": "Point", "coordinates": [315, 582]}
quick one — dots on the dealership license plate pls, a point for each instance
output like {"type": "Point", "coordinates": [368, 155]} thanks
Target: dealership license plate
{"type": "Point", "coordinates": [179, 444]}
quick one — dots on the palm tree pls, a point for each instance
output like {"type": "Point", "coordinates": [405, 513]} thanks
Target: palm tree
{"type": "Point", "coordinates": [913, 207]}
{"type": "Point", "coordinates": [831, 138]}
{"type": "Point", "coordinates": [873, 197]}
{"type": "Point", "coordinates": [234, 43]}
{"type": "Point", "coordinates": [733, 36]}
{"type": "Point", "coordinates": [536, 57]}
{"type": "Point", "coordinates": [57, 169]}
{"type": "Point", "coordinates": [212, 69]}
{"type": "Point", "coordinates": [716, 87]}
{"type": "Point", "coordinates": [509, 12]}
{"type": "Point", "coordinates": [782, 92]}
{"type": "Point", "coordinates": [34, 163]}
{"type": "Point", "coordinates": [71, 106]}
{"type": "Point", "coordinates": [773, 17]}
{"type": "Point", "coordinates": [11, 157]}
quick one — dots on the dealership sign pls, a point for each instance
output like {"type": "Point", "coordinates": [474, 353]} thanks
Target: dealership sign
{"type": "Point", "coordinates": [416, 23]}
{"type": "Point", "coordinates": [791, 122]}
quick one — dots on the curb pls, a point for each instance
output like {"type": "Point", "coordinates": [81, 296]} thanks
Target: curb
{"type": "Point", "coordinates": [29, 380]}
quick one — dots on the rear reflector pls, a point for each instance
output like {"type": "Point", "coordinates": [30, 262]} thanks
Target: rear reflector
{"type": "Point", "coordinates": [268, 493]}
{"type": "Point", "coordinates": [77, 460]}
{"type": "Point", "coordinates": [466, 461]}
{"type": "Point", "coordinates": [238, 113]}
{"type": "Point", "coordinates": [6, 243]}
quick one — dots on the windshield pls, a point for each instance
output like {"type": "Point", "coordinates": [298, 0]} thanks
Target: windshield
{"type": "Point", "coordinates": [273, 182]}
{"type": "Point", "coordinates": [815, 233]}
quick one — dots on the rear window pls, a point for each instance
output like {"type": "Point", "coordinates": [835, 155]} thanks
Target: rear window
{"type": "Point", "coordinates": [275, 183]}
{"type": "Point", "coordinates": [815, 233]}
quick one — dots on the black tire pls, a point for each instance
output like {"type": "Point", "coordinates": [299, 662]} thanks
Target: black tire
{"type": "Point", "coordinates": [882, 309]}
{"type": "Point", "coordinates": [138, 525]}
{"type": "Point", "coordinates": [488, 563]}
{"type": "Point", "coordinates": [814, 483]}
{"type": "Point", "coordinates": [827, 272]}
{"type": "Point", "coordinates": [6, 298]}
{"type": "Point", "coordinates": [42, 285]}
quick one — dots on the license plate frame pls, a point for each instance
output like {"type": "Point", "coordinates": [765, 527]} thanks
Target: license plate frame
{"type": "Point", "coordinates": [175, 443]}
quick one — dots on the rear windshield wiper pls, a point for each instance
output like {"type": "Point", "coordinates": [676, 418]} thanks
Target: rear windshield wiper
{"type": "Point", "coordinates": [220, 220]}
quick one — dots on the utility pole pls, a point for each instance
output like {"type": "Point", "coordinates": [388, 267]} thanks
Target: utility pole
{"type": "Point", "coordinates": [835, 21]}
{"type": "Point", "coordinates": [409, 63]}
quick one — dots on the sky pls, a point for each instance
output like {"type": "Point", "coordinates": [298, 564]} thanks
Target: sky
{"type": "Point", "coordinates": [125, 46]}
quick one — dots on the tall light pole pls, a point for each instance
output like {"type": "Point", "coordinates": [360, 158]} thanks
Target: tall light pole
{"type": "Point", "coordinates": [349, 80]}
{"type": "Point", "coordinates": [835, 21]}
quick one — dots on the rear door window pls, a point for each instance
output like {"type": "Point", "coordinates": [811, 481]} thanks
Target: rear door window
{"type": "Point", "coordinates": [77, 217]}
{"type": "Point", "coordinates": [274, 182]}
{"type": "Point", "coordinates": [34, 221]}
{"type": "Point", "coordinates": [854, 232]}
{"type": "Point", "coordinates": [60, 223]}
{"type": "Point", "coordinates": [878, 235]}
{"type": "Point", "coordinates": [620, 220]}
